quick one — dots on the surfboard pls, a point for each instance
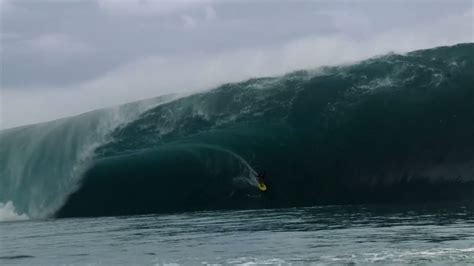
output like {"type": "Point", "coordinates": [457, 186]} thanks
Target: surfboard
{"type": "Point", "coordinates": [262, 186]}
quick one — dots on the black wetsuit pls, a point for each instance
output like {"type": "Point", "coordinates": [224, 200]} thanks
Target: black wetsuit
{"type": "Point", "coordinates": [261, 177]}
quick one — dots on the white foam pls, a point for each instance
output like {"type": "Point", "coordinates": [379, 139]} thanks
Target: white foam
{"type": "Point", "coordinates": [250, 176]}
{"type": "Point", "coordinates": [8, 213]}
{"type": "Point", "coordinates": [256, 261]}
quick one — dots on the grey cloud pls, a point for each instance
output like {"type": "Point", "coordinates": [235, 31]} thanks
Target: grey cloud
{"type": "Point", "coordinates": [119, 39]}
{"type": "Point", "coordinates": [165, 28]}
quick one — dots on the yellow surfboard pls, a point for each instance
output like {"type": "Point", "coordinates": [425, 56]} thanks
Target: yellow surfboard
{"type": "Point", "coordinates": [262, 186]}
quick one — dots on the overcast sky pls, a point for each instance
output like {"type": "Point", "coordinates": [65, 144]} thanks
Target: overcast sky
{"type": "Point", "coordinates": [60, 58]}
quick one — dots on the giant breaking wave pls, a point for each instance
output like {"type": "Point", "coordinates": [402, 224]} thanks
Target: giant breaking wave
{"type": "Point", "coordinates": [396, 128]}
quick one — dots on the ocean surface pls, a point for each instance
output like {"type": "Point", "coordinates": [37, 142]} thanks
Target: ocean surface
{"type": "Point", "coordinates": [441, 234]}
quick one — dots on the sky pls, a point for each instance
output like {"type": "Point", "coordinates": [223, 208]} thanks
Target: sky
{"type": "Point", "coordinates": [62, 58]}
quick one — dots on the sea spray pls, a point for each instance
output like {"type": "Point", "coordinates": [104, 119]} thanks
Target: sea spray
{"type": "Point", "coordinates": [8, 213]}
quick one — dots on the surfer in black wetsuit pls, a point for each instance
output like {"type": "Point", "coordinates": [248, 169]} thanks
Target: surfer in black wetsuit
{"type": "Point", "coordinates": [261, 177]}
{"type": "Point", "coordinates": [262, 181]}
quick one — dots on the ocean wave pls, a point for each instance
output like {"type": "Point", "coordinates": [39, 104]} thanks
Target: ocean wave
{"type": "Point", "coordinates": [395, 128]}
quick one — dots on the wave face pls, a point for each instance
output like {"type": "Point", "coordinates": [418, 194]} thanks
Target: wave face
{"type": "Point", "coordinates": [40, 165]}
{"type": "Point", "coordinates": [396, 128]}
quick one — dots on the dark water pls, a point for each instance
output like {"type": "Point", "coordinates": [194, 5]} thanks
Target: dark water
{"type": "Point", "coordinates": [441, 234]}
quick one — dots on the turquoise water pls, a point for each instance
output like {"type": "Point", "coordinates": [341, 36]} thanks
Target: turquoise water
{"type": "Point", "coordinates": [441, 234]}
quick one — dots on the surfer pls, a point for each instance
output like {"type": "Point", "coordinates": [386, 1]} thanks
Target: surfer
{"type": "Point", "coordinates": [261, 176]}
{"type": "Point", "coordinates": [260, 180]}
